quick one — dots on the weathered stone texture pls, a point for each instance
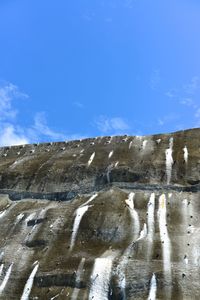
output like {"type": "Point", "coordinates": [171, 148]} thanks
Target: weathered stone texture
{"type": "Point", "coordinates": [105, 218]}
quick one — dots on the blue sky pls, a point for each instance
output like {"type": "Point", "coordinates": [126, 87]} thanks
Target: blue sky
{"type": "Point", "coordinates": [82, 68]}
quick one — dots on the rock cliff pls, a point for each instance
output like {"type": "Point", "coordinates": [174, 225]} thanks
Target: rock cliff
{"type": "Point", "coordinates": [104, 218]}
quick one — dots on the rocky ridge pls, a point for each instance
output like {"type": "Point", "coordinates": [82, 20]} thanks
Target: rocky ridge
{"type": "Point", "coordinates": [102, 218]}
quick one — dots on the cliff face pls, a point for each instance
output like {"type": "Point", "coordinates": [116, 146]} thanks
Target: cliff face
{"type": "Point", "coordinates": [106, 218]}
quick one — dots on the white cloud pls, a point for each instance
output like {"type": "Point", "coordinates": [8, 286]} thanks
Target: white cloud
{"type": "Point", "coordinates": [78, 104]}
{"type": "Point", "coordinates": [187, 95]}
{"type": "Point", "coordinates": [187, 101]}
{"type": "Point", "coordinates": [111, 125]}
{"type": "Point", "coordinates": [193, 85]}
{"type": "Point", "coordinates": [8, 93]}
{"type": "Point", "coordinates": [10, 136]}
{"type": "Point", "coordinates": [167, 119]}
{"type": "Point", "coordinates": [128, 3]}
{"type": "Point", "coordinates": [197, 113]}
{"type": "Point", "coordinates": [41, 127]}
{"type": "Point", "coordinates": [171, 94]}
{"type": "Point", "coordinates": [12, 132]}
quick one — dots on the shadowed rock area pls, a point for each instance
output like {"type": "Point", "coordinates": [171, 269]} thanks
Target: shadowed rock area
{"type": "Point", "coordinates": [108, 218]}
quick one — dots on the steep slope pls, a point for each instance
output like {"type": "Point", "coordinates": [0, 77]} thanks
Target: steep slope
{"type": "Point", "coordinates": [105, 218]}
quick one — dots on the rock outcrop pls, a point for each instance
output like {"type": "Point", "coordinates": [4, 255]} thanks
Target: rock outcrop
{"type": "Point", "coordinates": [105, 218]}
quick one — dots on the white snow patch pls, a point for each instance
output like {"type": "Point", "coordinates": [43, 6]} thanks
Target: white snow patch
{"type": "Point", "coordinates": [110, 154]}
{"type": "Point", "coordinates": [1, 255]}
{"type": "Point", "coordinates": [138, 137]}
{"type": "Point", "coordinates": [130, 144]}
{"type": "Point", "coordinates": [89, 200]}
{"type": "Point", "coordinates": [56, 296]}
{"type": "Point", "coordinates": [19, 161]}
{"type": "Point", "coordinates": [91, 159]}
{"type": "Point", "coordinates": [185, 201]}
{"type": "Point", "coordinates": [186, 260]}
{"type": "Point", "coordinates": [150, 223]}
{"type": "Point", "coordinates": [153, 288]}
{"type": "Point", "coordinates": [29, 283]}
{"type": "Point", "coordinates": [6, 210]}
{"type": "Point", "coordinates": [150, 211]}
{"type": "Point", "coordinates": [30, 217]}
{"type": "Point", "coordinates": [185, 151]}
{"type": "Point", "coordinates": [143, 232]}
{"type": "Point", "coordinates": [166, 246]}
{"type": "Point", "coordinates": [133, 212]}
{"type": "Point", "coordinates": [169, 160]}
{"type": "Point", "coordinates": [1, 269]}
{"type": "Point", "coordinates": [116, 164]}
{"type": "Point", "coordinates": [79, 215]}
{"type": "Point", "coordinates": [5, 280]}
{"type": "Point", "coordinates": [100, 278]}
{"type": "Point", "coordinates": [2, 213]}
{"type": "Point", "coordinates": [129, 201]}
{"type": "Point", "coordinates": [144, 143]}
{"type": "Point", "coordinates": [78, 278]}
{"type": "Point", "coordinates": [19, 217]}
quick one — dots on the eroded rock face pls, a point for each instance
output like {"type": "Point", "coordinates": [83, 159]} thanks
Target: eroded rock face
{"type": "Point", "coordinates": [106, 218]}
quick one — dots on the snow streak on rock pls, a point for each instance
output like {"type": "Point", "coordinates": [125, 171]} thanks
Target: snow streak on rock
{"type": "Point", "coordinates": [150, 223]}
{"type": "Point", "coordinates": [143, 232]}
{"type": "Point", "coordinates": [166, 246]}
{"type": "Point", "coordinates": [153, 288]}
{"type": "Point", "coordinates": [1, 269]}
{"type": "Point", "coordinates": [121, 268]}
{"type": "Point", "coordinates": [79, 215]}
{"type": "Point", "coordinates": [110, 154]}
{"type": "Point", "coordinates": [144, 143]}
{"type": "Point", "coordinates": [5, 280]}
{"type": "Point", "coordinates": [29, 283]}
{"type": "Point", "coordinates": [90, 200]}
{"type": "Point", "coordinates": [100, 278]}
{"type": "Point", "coordinates": [150, 212]}
{"type": "Point", "coordinates": [91, 159]}
{"type": "Point", "coordinates": [169, 160]}
{"type": "Point", "coordinates": [78, 279]}
{"type": "Point", "coordinates": [133, 212]}
{"type": "Point", "coordinates": [185, 151]}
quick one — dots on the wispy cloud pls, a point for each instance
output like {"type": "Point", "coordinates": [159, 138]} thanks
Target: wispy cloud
{"type": "Point", "coordinates": [89, 15]}
{"type": "Point", "coordinates": [188, 95]}
{"type": "Point", "coordinates": [112, 125]}
{"type": "Point", "coordinates": [8, 93]}
{"type": "Point", "coordinates": [78, 104]}
{"type": "Point", "coordinates": [167, 119]}
{"type": "Point", "coordinates": [171, 94]}
{"type": "Point", "coordinates": [188, 102]}
{"type": "Point", "coordinates": [9, 135]}
{"type": "Point", "coordinates": [193, 85]}
{"type": "Point", "coordinates": [197, 113]}
{"type": "Point", "coordinates": [12, 131]}
{"type": "Point", "coordinates": [42, 128]}
{"type": "Point", "coordinates": [129, 3]}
